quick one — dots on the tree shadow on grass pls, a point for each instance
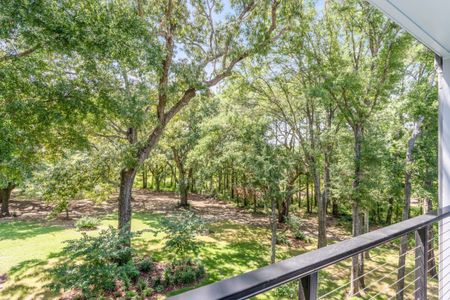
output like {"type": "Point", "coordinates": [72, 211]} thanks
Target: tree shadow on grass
{"type": "Point", "coordinates": [24, 278]}
{"type": "Point", "coordinates": [15, 230]}
{"type": "Point", "coordinates": [230, 250]}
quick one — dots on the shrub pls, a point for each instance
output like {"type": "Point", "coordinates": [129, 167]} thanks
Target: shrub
{"type": "Point", "coordinates": [146, 265]}
{"type": "Point", "coordinates": [181, 231]}
{"type": "Point", "coordinates": [130, 295]}
{"type": "Point", "coordinates": [147, 292]}
{"type": "Point", "coordinates": [183, 272]}
{"type": "Point", "coordinates": [294, 222]}
{"type": "Point", "coordinates": [299, 235]}
{"type": "Point", "coordinates": [141, 285]}
{"type": "Point", "coordinates": [129, 271]}
{"type": "Point", "coordinates": [94, 264]}
{"type": "Point", "coordinates": [282, 239]}
{"type": "Point", "coordinates": [87, 223]}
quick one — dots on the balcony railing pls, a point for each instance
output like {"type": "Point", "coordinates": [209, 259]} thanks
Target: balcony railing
{"type": "Point", "coordinates": [306, 266]}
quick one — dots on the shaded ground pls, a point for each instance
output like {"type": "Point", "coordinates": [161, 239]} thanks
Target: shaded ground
{"type": "Point", "coordinates": [143, 200]}
{"type": "Point", "coordinates": [163, 202]}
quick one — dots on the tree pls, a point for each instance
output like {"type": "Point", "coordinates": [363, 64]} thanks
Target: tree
{"type": "Point", "coordinates": [420, 93]}
{"type": "Point", "coordinates": [36, 115]}
{"type": "Point", "coordinates": [362, 56]}
{"type": "Point", "coordinates": [206, 43]}
{"type": "Point", "coordinates": [181, 137]}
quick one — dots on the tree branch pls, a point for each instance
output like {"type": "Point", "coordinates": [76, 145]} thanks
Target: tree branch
{"type": "Point", "coordinates": [20, 54]}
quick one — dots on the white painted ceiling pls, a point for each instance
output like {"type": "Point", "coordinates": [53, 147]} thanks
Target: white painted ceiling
{"type": "Point", "coordinates": [427, 20]}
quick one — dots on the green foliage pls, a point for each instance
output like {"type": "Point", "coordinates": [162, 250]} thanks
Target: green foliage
{"type": "Point", "coordinates": [181, 231]}
{"type": "Point", "coordinates": [141, 285]}
{"type": "Point", "coordinates": [87, 223]}
{"type": "Point", "coordinates": [183, 272]}
{"type": "Point", "coordinates": [93, 264]}
{"type": "Point", "coordinates": [300, 235]}
{"type": "Point", "coordinates": [294, 224]}
{"type": "Point", "coordinates": [146, 265]}
{"type": "Point", "coordinates": [287, 291]}
{"type": "Point", "coordinates": [130, 295]}
{"type": "Point", "coordinates": [282, 239]}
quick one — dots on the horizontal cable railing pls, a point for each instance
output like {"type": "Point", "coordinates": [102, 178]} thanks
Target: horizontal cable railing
{"type": "Point", "coordinates": [307, 265]}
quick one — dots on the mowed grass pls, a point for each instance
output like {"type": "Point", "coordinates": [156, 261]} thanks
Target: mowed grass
{"type": "Point", "coordinates": [28, 249]}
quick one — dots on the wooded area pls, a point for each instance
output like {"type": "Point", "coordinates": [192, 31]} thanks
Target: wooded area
{"type": "Point", "coordinates": [285, 109]}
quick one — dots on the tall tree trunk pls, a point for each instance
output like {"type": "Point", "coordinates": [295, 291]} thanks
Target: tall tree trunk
{"type": "Point", "coordinates": [220, 182]}
{"type": "Point", "coordinates": [144, 178]}
{"type": "Point", "coordinates": [335, 208]}
{"type": "Point", "coordinates": [390, 211]}
{"type": "Point", "coordinates": [183, 186]}
{"type": "Point", "coordinates": [366, 229]}
{"type": "Point", "coordinates": [232, 184]}
{"type": "Point", "coordinates": [183, 180]}
{"type": "Point", "coordinates": [273, 223]}
{"type": "Point", "coordinates": [126, 187]}
{"type": "Point", "coordinates": [5, 195]}
{"type": "Point", "coordinates": [158, 183]}
{"type": "Point", "coordinates": [406, 211]}
{"type": "Point", "coordinates": [286, 203]}
{"type": "Point", "coordinates": [308, 197]}
{"type": "Point", "coordinates": [357, 270]}
{"type": "Point", "coordinates": [321, 209]}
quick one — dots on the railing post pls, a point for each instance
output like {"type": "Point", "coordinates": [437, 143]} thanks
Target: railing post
{"type": "Point", "coordinates": [421, 263]}
{"type": "Point", "coordinates": [307, 289]}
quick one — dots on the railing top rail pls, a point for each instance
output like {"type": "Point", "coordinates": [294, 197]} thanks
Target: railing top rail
{"type": "Point", "coordinates": [271, 276]}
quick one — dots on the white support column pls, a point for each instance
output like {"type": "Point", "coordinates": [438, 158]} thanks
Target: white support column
{"type": "Point", "coordinates": [444, 175]}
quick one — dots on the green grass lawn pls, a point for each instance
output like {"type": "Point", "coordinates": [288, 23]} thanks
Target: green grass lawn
{"type": "Point", "coordinates": [27, 249]}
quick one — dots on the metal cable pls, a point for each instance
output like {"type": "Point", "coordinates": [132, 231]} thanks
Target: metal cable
{"type": "Point", "coordinates": [404, 288]}
{"type": "Point", "coordinates": [384, 290]}
{"type": "Point", "coordinates": [371, 271]}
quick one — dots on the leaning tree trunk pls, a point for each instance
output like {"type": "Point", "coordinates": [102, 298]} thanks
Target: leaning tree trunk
{"type": "Point", "coordinates": [5, 195]}
{"type": "Point", "coordinates": [126, 187]}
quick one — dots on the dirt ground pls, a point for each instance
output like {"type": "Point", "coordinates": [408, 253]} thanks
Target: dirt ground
{"type": "Point", "coordinates": [161, 202]}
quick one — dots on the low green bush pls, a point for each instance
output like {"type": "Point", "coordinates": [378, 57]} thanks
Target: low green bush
{"type": "Point", "coordinates": [300, 235]}
{"type": "Point", "coordinates": [181, 272]}
{"type": "Point", "coordinates": [87, 223]}
{"type": "Point", "coordinates": [141, 285]}
{"type": "Point", "coordinates": [129, 295]}
{"type": "Point", "coordinates": [94, 264]}
{"type": "Point", "coordinates": [146, 265]}
{"type": "Point", "coordinates": [147, 292]}
{"type": "Point", "coordinates": [282, 239]}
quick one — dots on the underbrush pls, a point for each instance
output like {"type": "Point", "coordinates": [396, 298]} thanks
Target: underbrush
{"type": "Point", "coordinates": [87, 223]}
{"type": "Point", "coordinates": [104, 265]}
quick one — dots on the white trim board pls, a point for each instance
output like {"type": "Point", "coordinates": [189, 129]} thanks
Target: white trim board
{"type": "Point", "coordinates": [428, 29]}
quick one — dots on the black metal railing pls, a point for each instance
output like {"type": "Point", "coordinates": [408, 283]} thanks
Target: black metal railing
{"type": "Point", "coordinates": [306, 266]}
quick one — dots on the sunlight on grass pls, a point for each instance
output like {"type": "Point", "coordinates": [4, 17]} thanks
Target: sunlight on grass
{"type": "Point", "coordinates": [27, 249]}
